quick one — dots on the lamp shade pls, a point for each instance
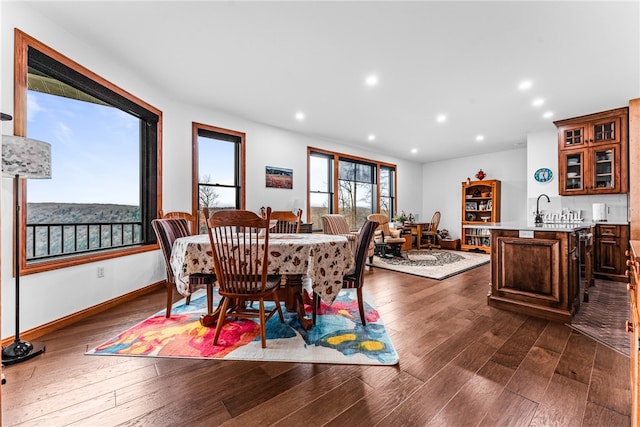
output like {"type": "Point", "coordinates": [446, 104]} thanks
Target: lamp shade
{"type": "Point", "coordinates": [28, 158]}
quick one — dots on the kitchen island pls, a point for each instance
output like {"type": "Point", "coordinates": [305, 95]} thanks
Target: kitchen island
{"type": "Point", "coordinates": [535, 269]}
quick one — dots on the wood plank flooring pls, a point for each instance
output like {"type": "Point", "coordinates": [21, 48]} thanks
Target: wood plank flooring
{"type": "Point", "coordinates": [462, 363]}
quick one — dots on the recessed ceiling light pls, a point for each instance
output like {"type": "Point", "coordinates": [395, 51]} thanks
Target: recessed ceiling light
{"type": "Point", "coordinates": [371, 80]}
{"type": "Point", "coordinates": [371, 137]}
{"type": "Point", "coordinates": [480, 138]}
{"type": "Point", "coordinates": [300, 115]}
{"type": "Point", "coordinates": [525, 84]}
{"type": "Point", "coordinates": [547, 114]}
{"type": "Point", "coordinates": [414, 150]}
{"type": "Point", "coordinates": [441, 118]}
{"type": "Point", "coordinates": [537, 102]}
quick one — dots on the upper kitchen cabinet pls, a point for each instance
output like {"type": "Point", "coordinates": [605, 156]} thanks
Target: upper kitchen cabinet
{"type": "Point", "coordinates": [592, 153]}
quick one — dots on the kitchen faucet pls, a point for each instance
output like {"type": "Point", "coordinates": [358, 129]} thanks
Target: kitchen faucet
{"type": "Point", "coordinates": [538, 214]}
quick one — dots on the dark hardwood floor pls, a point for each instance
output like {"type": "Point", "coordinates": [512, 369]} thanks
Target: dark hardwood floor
{"type": "Point", "coordinates": [462, 363]}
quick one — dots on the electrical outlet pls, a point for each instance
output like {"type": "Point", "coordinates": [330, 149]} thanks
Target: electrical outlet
{"type": "Point", "coordinates": [100, 272]}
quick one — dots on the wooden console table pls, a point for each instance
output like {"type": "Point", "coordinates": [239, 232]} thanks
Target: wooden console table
{"type": "Point", "coordinates": [416, 230]}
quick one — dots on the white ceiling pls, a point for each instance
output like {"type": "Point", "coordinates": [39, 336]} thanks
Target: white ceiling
{"type": "Point", "coordinates": [265, 61]}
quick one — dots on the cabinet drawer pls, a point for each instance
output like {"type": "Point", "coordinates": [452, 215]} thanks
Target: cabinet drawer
{"type": "Point", "coordinates": [608, 231]}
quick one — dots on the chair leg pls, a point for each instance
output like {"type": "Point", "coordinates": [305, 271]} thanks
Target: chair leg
{"type": "Point", "coordinates": [315, 303]}
{"type": "Point", "coordinates": [223, 312]}
{"type": "Point", "coordinates": [169, 299]}
{"type": "Point", "coordinates": [361, 307]}
{"type": "Point", "coordinates": [188, 299]}
{"type": "Point", "coordinates": [209, 297]}
{"type": "Point", "coordinates": [263, 328]}
{"type": "Point", "coordinates": [277, 301]}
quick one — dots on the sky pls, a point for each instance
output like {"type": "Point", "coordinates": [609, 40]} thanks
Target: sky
{"type": "Point", "coordinates": [94, 151]}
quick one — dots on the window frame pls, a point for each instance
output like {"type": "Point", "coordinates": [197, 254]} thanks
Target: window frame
{"type": "Point", "coordinates": [150, 197]}
{"type": "Point", "coordinates": [195, 157]}
{"type": "Point", "coordinates": [336, 157]}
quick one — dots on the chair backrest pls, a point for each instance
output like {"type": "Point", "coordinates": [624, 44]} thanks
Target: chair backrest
{"type": "Point", "coordinates": [240, 250]}
{"type": "Point", "coordinates": [335, 224]}
{"type": "Point", "coordinates": [288, 222]}
{"type": "Point", "coordinates": [383, 222]}
{"type": "Point", "coordinates": [167, 231]}
{"type": "Point", "coordinates": [191, 219]}
{"type": "Point", "coordinates": [434, 223]}
{"type": "Point", "coordinates": [362, 248]}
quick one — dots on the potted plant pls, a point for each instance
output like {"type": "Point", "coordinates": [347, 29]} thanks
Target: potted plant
{"type": "Point", "coordinates": [400, 219]}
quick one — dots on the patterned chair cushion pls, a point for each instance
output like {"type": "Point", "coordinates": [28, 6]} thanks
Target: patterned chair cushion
{"type": "Point", "coordinates": [337, 224]}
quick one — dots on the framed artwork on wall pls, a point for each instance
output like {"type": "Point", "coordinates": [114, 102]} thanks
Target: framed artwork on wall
{"type": "Point", "coordinates": [279, 177]}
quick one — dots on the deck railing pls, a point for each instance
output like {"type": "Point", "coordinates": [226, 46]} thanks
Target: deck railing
{"type": "Point", "coordinates": [60, 239]}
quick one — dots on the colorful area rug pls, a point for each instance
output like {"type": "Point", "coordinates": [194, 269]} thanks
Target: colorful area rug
{"type": "Point", "coordinates": [434, 264]}
{"type": "Point", "coordinates": [338, 336]}
{"type": "Point", "coordinates": [604, 316]}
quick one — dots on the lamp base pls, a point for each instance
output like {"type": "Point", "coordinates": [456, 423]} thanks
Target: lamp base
{"type": "Point", "coordinates": [19, 351]}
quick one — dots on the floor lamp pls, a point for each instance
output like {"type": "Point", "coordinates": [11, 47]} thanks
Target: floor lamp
{"type": "Point", "coordinates": [22, 158]}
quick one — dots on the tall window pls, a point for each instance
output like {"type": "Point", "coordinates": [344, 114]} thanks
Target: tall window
{"type": "Point", "coordinates": [355, 188]}
{"type": "Point", "coordinates": [387, 191]}
{"type": "Point", "coordinates": [320, 187]}
{"type": "Point", "coordinates": [104, 188]}
{"type": "Point", "coordinates": [218, 168]}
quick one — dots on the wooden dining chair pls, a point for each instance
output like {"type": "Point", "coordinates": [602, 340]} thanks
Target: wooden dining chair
{"type": "Point", "coordinates": [288, 222]}
{"type": "Point", "coordinates": [337, 224]}
{"type": "Point", "coordinates": [167, 231]}
{"type": "Point", "coordinates": [240, 250]}
{"type": "Point", "coordinates": [191, 219]}
{"type": "Point", "coordinates": [430, 233]}
{"type": "Point", "coordinates": [355, 279]}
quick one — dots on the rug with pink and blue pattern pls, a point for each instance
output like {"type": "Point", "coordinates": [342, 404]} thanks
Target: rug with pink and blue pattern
{"type": "Point", "coordinates": [338, 336]}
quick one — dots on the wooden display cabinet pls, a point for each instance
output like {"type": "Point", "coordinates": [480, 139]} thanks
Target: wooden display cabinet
{"type": "Point", "coordinates": [592, 153]}
{"type": "Point", "coordinates": [480, 205]}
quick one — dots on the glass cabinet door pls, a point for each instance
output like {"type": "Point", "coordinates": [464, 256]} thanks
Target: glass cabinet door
{"type": "Point", "coordinates": [574, 178]}
{"type": "Point", "coordinates": [573, 136]}
{"type": "Point", "coordinates": [604, 169]}
{"type": "Point", "coordinates": [606, 131]}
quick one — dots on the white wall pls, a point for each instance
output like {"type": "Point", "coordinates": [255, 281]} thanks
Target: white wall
{"type": "Point", "coordinates": [442, 182]}
{"type": "Point", "coordinates": [52, 295]}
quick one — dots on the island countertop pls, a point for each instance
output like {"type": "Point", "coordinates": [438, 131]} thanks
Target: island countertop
{"type": "Point", "coordinates": [569, 227]}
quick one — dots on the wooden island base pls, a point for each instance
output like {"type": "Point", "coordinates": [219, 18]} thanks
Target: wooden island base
{"type": "Point", "coordinates": [535, 272]}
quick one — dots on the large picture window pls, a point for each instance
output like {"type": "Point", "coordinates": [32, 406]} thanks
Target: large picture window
{"type": "Point", "coordinates": [348, 185]}
{"type": "Point", "coordinates": [105, 154]}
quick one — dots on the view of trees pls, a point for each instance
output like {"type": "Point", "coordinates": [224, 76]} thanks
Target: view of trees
{"type": "Point", "coordinates": [207, 195]}
{"type": "Point", "coordinates": [66, 228]}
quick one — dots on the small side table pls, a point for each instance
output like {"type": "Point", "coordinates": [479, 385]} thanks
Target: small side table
{"type": "Point", "coordinates": [450, 244]}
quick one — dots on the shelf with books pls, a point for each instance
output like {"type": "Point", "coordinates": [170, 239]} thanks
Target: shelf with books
{"type": "Point", "coordinates": [480, 204]}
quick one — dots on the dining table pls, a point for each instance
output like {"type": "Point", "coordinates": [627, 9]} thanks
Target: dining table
{"type": "Point", "coordinates": [313, 263]}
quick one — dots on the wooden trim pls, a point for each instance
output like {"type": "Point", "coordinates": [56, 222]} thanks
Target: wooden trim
{"type": "Point", "coordinates": [336, 158]}
{"type": "Point", "coordinates": [634, 167]}
{"type": "Point", "coordinates": [194, 162]}
{"type": "Point", "coordinates": [22, 42]}
{"type": "Point", "coordinates": [40, 267]}
{"type": "Point", "coordinates": [63, 322]}
{"type": "Point", "coordinates": [349, 156]}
